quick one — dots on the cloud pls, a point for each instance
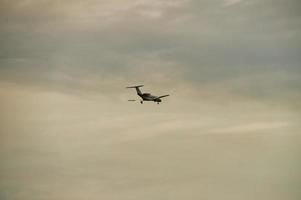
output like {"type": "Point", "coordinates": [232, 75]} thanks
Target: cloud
{"type": "Point", "coordinates": [232, 2]}
{"type": "Point", "coordinates": [67, 130]}
{"type": "Point", "coordinates": [97, 146]}
{"type": "Point", "coordinates": [253, 127]}
{"type": "Point", "coordinates": [83, 46]}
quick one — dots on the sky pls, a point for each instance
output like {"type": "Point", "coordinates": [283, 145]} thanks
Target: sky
{"type": "Point", "coordinates": [229, 130]}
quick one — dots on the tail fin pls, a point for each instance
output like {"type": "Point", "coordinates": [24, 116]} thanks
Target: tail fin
{"type": "Point", "coordinates": [137, 88]}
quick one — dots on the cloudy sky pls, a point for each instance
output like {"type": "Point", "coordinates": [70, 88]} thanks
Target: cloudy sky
{"type": "Point", "coordinates": [230, 129]}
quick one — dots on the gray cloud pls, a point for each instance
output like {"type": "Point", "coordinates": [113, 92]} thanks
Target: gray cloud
{"type": "Point", "coordinates": [230, 129]}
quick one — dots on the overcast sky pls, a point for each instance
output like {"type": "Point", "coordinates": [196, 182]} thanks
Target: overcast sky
{"type": "Point", "coordinates": [230, 129]}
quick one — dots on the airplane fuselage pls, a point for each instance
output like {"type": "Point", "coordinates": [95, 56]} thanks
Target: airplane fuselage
{"type": "Point", "coordinates": [149, 97]}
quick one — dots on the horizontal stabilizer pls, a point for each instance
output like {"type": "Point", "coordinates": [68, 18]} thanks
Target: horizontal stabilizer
{"type": "Point", "coordinates": [137, 86]}
{"type": "Point", "coordinates": [131, 100]}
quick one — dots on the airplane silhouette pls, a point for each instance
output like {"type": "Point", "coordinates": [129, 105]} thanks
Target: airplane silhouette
{"type": "Point", "coordinates": [147, 96]}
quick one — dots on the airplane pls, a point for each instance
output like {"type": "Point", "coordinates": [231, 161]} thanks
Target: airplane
{"type": "Point", "coordinates": [147, 96]}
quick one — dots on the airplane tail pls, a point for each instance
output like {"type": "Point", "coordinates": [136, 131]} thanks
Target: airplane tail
{"type": "Point", "coordinates": [137, 89]}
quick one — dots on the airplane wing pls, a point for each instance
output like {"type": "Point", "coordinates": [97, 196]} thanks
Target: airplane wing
{"type": "Point", "coordinates": [162, 96]}
{"type": "Point", "coordinates": [136, 86]}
